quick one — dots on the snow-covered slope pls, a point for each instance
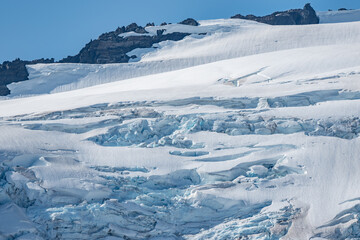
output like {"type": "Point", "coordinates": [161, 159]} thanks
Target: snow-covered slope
{"type": "Point", "coordinates": [339, 16]}
{"type": "Point", "coordinates": [225, 39]}
{"type": "Point", "coordinates": [248, 132]}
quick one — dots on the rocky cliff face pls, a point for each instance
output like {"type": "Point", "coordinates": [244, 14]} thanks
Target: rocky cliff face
{"type": "Point", "coordinates": [15, 71]}
{"type": "Point", "coordinates": [307, 15]}
{"type": "Point", "coordinates": [112, 48]}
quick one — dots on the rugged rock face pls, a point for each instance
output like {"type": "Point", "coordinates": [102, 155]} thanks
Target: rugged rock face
{"type": "Point", "coordinates": [190, 21]}
{"type": "Point", "coordinates": [111, 48]}
{"type": "Point", "coordinates": [307, 15]}
{"type": "Point", "coordinates": [4, 90]}
{"type": "Point", "coordinates": [15, 71]}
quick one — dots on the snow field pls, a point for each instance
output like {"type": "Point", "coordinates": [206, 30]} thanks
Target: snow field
{"type": "Point", "coordinates": [250, 131]}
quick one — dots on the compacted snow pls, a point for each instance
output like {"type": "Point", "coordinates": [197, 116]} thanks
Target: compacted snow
{"type": "Point", "coordinates": [248, 131]}
{"type": "Point", "coordinates": [339, 16]}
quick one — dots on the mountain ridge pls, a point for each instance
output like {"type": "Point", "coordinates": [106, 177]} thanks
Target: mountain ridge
{"type": "Point", "coordinates": [112, 48]}
{"type": "Point", "coordinates": [307, 15]}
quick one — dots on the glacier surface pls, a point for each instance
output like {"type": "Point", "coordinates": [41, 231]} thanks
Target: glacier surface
{"type": "Point", "coordinates": [248, 131]}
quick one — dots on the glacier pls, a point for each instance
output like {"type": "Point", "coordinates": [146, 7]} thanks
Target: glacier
{"type": "Point", "coordinates": [247, 131]}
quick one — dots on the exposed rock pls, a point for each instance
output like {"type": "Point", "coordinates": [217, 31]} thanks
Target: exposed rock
{"type": "Point", "coordinates": [307, 15]}
{"type": "Point", "coordinates": [135, 28]}
{"type": "Point", "coordinates": [160, 32]}
{"type": "Point", "coordinates": [190, 21]}
{"type": "Point", "coordinates": [342, 9]}
{"type": "Point", "coordinates": [112, 48]}
{"type": "Point", "coordinates": [163, 24]}
{"type": "Point", "coordinates": [4, 90]}
{"type": "Point", "coordinates": [16, 71]}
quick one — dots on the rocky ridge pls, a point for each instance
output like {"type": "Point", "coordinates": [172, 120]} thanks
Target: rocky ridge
{"type": "Point", "coordinates": [111, 47]}
{"type": "Point", "coordinates": [307, 15]}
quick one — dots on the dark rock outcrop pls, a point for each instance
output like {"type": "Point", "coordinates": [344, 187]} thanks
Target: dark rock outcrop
{"type": "Point", "coordinates": [112, 48]}
{"type": "Point", "coordinates": [16, 71]}
{"type": "Point", "coordinates": [307, 15]}
{"type": "Point", "coordinates": [4, 90]}
{"type": "Point", "coordinates": [135, 28]}
{"type": "Point", "coordinates": [190, 21]}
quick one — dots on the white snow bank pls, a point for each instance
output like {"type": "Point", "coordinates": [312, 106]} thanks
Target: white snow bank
{"type": "Point", "coordinates": [305, 67]}
{"type": "Point", "coordinates": [230, 39]}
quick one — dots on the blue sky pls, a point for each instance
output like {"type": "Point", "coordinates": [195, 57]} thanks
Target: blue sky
{"type": "Point", "coordinates": [33, 29]}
